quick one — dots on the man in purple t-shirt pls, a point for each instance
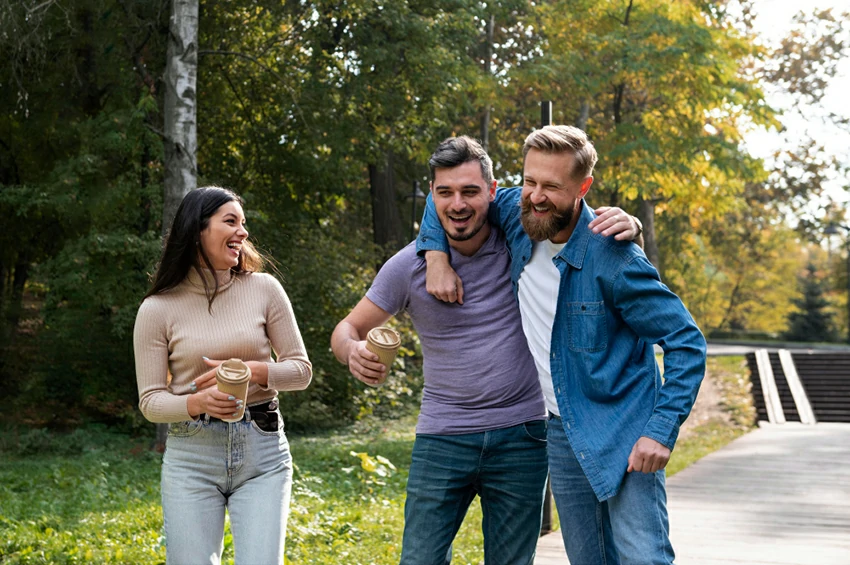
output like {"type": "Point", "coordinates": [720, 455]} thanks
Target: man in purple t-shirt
{"type": "Point", "coordinates": [481, 428]}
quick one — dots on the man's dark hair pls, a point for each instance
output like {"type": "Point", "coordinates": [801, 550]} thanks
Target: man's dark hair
{"type": "Point", "coordinates": [455, 151]}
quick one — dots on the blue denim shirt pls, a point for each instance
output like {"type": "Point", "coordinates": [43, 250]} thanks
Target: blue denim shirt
{"type": "Point", "coordinates": [612, 307]}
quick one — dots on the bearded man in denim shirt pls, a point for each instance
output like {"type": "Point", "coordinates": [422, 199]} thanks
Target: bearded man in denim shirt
{"type": "Point", "coordinates": [592, 307]}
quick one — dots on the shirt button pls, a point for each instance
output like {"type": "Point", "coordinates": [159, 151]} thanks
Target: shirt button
{"type": "Point", "coordinates": [582, 454]}
{"type": "Point", "coordinates": [559, 390]}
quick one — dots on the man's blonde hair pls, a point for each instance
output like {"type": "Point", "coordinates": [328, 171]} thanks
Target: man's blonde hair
{"type": "Point", "coordinates": [564, 139]}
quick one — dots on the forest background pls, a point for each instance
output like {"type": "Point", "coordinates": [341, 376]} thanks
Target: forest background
{"type": "Point", "coordinates": [322, 114]}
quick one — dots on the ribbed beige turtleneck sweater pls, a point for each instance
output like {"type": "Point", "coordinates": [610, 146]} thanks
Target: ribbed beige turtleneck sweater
{"type": "Point", "coordinates": [251, 315]}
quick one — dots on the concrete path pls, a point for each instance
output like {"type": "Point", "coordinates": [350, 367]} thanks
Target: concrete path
{"type": "Point", "coordinates": [778, 496]}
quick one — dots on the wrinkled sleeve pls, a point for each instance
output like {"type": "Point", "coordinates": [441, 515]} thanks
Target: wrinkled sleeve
{"type": "Point", "coordinates": [390, 291]}
{"type": "Point", "coordinates": [292, 370]}
{"type": "Point", "coordinates": [431, 237]}
{"type": "Point", "coordinates": [150, 347]}
{"type": "Point", "coordinates": [658, 316]}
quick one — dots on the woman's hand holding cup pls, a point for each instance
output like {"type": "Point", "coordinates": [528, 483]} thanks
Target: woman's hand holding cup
{"type": "Point", "coordinates": [206, 398]}
{"type": "Point", "coordinates": [259, 374]}
{"type": "Point", "coordinates": [213, 402]}
{"type": "Point", "coordinates": [207, 379]}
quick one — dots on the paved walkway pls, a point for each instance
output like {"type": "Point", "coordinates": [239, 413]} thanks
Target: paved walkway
{"type": "Point", "coordinates": [778, 496]}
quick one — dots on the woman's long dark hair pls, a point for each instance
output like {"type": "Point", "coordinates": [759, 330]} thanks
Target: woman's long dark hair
{"type": "Point", "coordinates": [183, 250]}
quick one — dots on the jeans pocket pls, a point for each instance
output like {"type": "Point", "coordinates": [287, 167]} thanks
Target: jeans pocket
{"type": "Point", "coordinates": [536, 430]}
{"type": "Point", "coordinates": [268, 425]}
{"type": "Point", "coordinates": [187, 428]}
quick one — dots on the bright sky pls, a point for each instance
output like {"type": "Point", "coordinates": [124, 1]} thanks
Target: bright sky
{"type": "Point", "coordinates": [773, 21]}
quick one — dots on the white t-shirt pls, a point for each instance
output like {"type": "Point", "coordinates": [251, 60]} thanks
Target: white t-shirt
{"type": "Point", "coordinates": [538, 299]}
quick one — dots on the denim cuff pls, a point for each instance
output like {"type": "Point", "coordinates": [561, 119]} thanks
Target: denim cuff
{"type": "Point", "coordinates": [663, 430]}
{"type": "Point", "coordinates": [431, 240]}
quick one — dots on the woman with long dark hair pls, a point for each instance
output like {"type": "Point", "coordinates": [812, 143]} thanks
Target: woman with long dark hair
{"type": "Point", "coordinates": [209, 302]}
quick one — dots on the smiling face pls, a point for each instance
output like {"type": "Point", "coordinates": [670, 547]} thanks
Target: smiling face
{"type": "Point", "coordinates": [551, 197]}
{"type": "Point", "coordinates": [224, 236]}
{"type": "Point", "coordinates": [462, 198]}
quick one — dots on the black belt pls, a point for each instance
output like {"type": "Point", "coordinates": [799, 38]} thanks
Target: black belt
{"type": "Point", "coordinates": [259, 412]}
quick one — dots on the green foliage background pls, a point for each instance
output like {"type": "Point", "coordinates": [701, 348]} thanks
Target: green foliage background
{"type": "Point", "coordinates": [298, 101]}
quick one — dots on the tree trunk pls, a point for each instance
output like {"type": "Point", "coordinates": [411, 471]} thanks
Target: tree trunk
{"type": "Point", "coordinates": [646, 214]}
{"type": "Point", "coordinates": [583, 116]}
{"type": "Point", "coordinates": [488, 69]}
{"type": "Point", "coordinates": [485, 128]}
{"type": "Point", "coordinates": [19, 281]}
{"type": "Point", "coordinates": [386, 221]}
{"type": "Point", "coordinates": [6, 331]}
{"type": "Point", "coordinates": [180, 126]}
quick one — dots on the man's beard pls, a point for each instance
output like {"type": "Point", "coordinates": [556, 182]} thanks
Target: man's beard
{"type": "Point", "coordinates": [462, 236]}
{"type": "Point", "coordinates": [539, 229]}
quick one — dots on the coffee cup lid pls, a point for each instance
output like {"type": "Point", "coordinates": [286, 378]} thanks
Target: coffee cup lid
{"type": "Point", "coordinates": [234, 371]}
{"type": "Point", "coordinates": [384, 336]}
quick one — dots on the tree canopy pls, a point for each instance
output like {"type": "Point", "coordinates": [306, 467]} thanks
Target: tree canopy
{"type": "Point", "coordinates": [321, 113]}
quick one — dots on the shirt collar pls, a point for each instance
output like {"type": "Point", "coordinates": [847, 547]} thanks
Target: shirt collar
{"type": "Point", "coordinates": [576, 248]}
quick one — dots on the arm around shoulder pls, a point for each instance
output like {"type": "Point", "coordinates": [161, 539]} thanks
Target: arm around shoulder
{"type": "Point", "coordinates": [431, 236]}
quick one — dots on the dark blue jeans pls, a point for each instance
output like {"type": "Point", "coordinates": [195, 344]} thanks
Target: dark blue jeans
{"type": "Point", "coordinates": [507, 468]}
{"type": "Point", "coordinates": [630, 528]}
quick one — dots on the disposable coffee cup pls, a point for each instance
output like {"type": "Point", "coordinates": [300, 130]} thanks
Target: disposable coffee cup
{"type": "Point", "coordinates": [232, 377]}
{"type": "Point", "coordinates": [383, 342]}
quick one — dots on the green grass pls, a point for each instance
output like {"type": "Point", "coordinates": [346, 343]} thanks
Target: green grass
{"type": "Point", "coordinates": [93, 496]}
{"type": "Point", "coordinates": [731, 375]}
{"type": "Point", "coordinates": [95, 501]}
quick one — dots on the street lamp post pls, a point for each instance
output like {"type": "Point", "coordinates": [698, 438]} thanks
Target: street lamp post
{"type": "Point", "coordinates": [414, 196]}
{"type": "Point", "coordinates": [545, 113]}
{"type": "Point", "coordinates": [832, 229]}
{"type": "Point", "coordinates": [547, 524]}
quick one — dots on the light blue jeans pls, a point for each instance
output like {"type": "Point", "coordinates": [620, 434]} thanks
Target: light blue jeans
{"type": "Point", "coordinates": [630, 528]}
{"type": "Point", "coordinates": [505, 467]}
{"type": "Point", "coordinates": [212, 466]}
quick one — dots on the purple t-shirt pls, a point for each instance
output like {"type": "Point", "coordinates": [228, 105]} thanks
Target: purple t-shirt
{"type": "Point", "coordinates": [479, 373]}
